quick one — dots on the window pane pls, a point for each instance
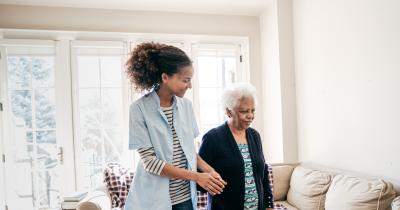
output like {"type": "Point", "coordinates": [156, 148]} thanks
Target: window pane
{"type": "Point", "coordinates": [110, 71]}
{"type": "Point", "coordinates": [21, 104]}
{"type": "Point", "coordinates": [42, 71]}
{"type": "Point", "coordinates": [89, 72]}
{"type": "Point", "coordinates": [229, 65]}
{"type": "Point", "coordinates": [216, 69]}
{"type": "Point", "coordinates": [89, 108]}
{"type": "Point", "coordinates": [46, 137]}
{"type": "Point", "coordinates": [47, 188]}
{"type": "Point", "coordinates": [210, 104]}
{"type": "Point", "coordinates": [113, 145]}
{"type": "Point", "coordinates": [100, 111]}
{"type": "Point", "coordinates": [45, 108]}
{"type": "Point", "coordinates": [19, 74]}
{"type": "Point", "coordinates": [91, 143]}
{"type": "Point", "coordinates": [111, 101]}
{"type": "Point", "coordinates": [209, 74]}
{"type": "Point", "coordinates": [47, 156]}
{"type": "Point", "coordinates": [91, 157]}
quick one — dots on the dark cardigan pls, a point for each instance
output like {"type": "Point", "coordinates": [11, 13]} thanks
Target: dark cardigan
{"type": "Point", "coordinates": [219, 149]}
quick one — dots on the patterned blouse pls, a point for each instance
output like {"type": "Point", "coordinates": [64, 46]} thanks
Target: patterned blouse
{"type": "Point", "coordinates": [250, 193]}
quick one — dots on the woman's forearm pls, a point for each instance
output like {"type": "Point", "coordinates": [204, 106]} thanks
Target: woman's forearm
{"type": "Point", "coordinates": [203, 165]}
{"type": "Point", "coordinates": [180, 173]}
{"type": "Point", "coordinates": [174, 172]}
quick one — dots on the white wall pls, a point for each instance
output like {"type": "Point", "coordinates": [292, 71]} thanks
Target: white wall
{"type": "Point", "coordinates": [347, 61]}
{"type": "Point", "coordinates": [272, 84]}
{"type": "Point", "coordinates": [73, 19]}
{"type": "Point", "coordinates": [280, 123]}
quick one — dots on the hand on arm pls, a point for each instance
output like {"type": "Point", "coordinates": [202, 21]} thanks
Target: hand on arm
{"type": "Point", "coordinates": [212, 181]}
{"type": "Point", "coordinates": [208, 181]}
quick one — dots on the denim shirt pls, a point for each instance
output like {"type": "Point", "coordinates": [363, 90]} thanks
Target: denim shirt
{"type": "Point", "coordinates": [148, 127]}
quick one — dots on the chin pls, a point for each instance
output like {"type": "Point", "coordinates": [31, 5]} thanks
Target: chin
{"type": "Point", "coordinates": [180, 95]}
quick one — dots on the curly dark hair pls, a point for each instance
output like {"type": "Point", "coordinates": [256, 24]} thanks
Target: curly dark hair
{"type": "Point", "coordinates": [149, 60]}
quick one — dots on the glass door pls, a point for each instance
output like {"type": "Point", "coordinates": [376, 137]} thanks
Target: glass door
{"type": "Point", "coordinates": [29, 143]}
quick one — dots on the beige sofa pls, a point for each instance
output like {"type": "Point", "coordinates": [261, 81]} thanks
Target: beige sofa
{"type": "Point", "coordinates": [311, 187]}
{"type": "Point", "coordinates": [307, 187]}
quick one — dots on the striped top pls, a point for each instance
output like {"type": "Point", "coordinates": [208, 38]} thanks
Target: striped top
{"type": "Point", "coordinates": [250, 190]}
{"type": "Point", "coordinates": [179, 189]}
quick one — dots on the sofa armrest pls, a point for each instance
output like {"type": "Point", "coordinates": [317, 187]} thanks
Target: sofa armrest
{"type": "Point", "coordinates": [396, 203]}
{"type": "Point", "coordinates": [281, 181]}
{"type": "Point", "coordinates": [95, 200]}
{"type": "Point", "coordinates": [88, 205]}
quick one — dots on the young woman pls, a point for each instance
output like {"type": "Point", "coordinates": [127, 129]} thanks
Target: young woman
{"type": "Point", "coordinates": [162, 128]}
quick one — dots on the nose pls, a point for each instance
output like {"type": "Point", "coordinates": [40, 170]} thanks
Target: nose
{"type": "Point", "coordinates": [190, 85]}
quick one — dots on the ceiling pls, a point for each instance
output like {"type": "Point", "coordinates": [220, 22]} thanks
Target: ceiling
{"type": "Point", "coordinates": [225, 7]}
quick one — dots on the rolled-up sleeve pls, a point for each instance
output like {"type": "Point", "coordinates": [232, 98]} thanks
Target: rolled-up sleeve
{"type": "Point", "coordinates": [139, 136]}
{"type": "Point", "coordinates": [150, 161]}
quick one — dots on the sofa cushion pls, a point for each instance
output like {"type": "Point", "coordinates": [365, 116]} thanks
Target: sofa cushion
{"type": "Point", "coordinates": [348, 192]}
{"type": "Point", "coordinates": [308, 188]}
{"type": "Point", "coordinates": [281, 180]}
{"type": "Point", "coordinates": [396, 204]}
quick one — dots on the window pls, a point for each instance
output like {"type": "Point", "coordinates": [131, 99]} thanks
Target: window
{"type": "Point", "coordinates": [72, 97]}
{"type": "Point", "coordinates": [217, 67]}
{"type": "Point", "coordinates": [101, 108]}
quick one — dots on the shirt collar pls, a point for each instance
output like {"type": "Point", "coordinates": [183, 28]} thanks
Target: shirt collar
{"type": "Point", "coordinates": [156, 98]}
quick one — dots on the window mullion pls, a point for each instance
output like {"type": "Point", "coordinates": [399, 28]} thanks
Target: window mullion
{"type": "Point", "coordinates": [64, 119]}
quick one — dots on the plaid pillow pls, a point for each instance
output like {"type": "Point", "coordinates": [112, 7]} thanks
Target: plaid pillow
{"type": "Point", "coordinates": [201, 201]}
{"type": "Point", "coordinates": [118, 181]}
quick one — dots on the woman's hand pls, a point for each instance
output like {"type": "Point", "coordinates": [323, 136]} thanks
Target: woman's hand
{"type": "Point", "coordinates": [212, 182]}
{"type": "Point", "coordinates": [269, 209]}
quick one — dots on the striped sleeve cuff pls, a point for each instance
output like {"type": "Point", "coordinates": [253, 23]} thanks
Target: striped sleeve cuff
{"type": "Point", "coordinates": [150, 161]}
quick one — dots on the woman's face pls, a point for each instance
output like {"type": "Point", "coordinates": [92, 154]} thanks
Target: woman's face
{"type": "Point", "coordinates": [179, 82]}
{"type": "Point", "coordinates": [243, 114]}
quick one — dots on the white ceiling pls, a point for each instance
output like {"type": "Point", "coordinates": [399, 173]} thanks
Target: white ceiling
{"type": "Point", "coordinates": [226, 7]}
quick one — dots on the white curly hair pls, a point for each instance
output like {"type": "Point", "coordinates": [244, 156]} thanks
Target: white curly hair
{"type": "Point", "coordinates": [233, 94]}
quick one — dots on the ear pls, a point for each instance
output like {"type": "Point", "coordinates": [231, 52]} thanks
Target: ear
{"type": "Point", "coordinates": [164, 77]}
{"type": "Point", "coordinates": [228, 112]}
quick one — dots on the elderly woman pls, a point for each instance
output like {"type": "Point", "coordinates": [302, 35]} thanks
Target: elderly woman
{"type": "Point", "coordinates": [234, 150]}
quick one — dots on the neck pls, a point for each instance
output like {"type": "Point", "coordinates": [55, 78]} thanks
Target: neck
{"type": "Point", "coordinates": [235, 130]}
{"type": "Point", "coordinates": [238, 134]}
{"type": "Point", "coordinates": [165, 97]}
